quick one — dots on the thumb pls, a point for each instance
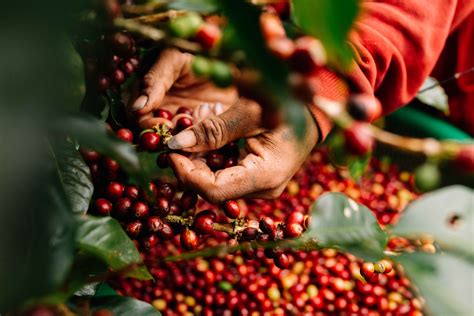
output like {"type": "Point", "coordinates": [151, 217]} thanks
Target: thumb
{"type": "Point", "coordinates": [243, 119]}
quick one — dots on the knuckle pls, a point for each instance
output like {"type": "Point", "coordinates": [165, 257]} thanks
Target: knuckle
{"type": "Point", "coordinates": [149, 79]}
{"type": "Point", "coordinates": [214, 196]}
{"type": "Point", "coordinates": [214, 132]}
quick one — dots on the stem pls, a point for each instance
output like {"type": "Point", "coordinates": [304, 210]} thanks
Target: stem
{"type": "Point", "coordinates": [159, 17]}
{"type": "Point", "coordinates": [144, 30]}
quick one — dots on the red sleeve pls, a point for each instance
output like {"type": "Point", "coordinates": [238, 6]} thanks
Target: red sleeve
{"type": "Point", "coordinates": [397, 44]}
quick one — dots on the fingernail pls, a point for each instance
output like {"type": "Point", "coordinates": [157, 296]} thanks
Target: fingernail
{"type": "Point", "coordinates": [205, 106]}
{"type": "Point", "coordinates": [183, 140]}
{"type": "Point", "coordinates": [139, 103]}
{"type": "Point", "coordinates": [219, 108]}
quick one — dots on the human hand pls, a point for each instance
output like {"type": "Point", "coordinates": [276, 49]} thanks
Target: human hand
{"type": "Point", "coordinates": [170, 84]}
{"type": "Point", "coordinates": [273, 156]}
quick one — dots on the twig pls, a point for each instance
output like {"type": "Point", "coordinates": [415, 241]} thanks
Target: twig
{"type": "Point", "coordinates": [144, 30]}
{"type": "Point", "coordinates": [159, 17]}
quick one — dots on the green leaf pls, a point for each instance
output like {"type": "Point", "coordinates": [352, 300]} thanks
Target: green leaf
{"type": "Point", "coordinates": [74, 175]}
{"type": "Point", "coordinates": [201, 6]}
{"type": "Point", "coordinates": [339, 222]}
{"type": "Point", "coordinates": [445, 282]}
{"type": "Point", "coordinates": [123, 306]}
{"type": "Point", "coordinates": [330, 21]}
{"type": "Point", "coordinates": [358, 166]}
{"type": "Point", "coordinates": [104, 238]}
{"type": "Point", "coordinates": [432, 93]}
{"type": "Point", "coordinates": [434, 213]}
{"type": "Point", "coordinates": [96, 105]}
{"type": "Point", "coordinates": [92, 133]}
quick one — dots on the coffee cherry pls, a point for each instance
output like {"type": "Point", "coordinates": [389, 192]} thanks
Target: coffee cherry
{"type": "Point", "coordinates": [122, 207]}
{"type": "Point", "coordinates": [215, 161]}
{"type": "Point", "coordinates": [184, 110]}
{"type": "Point", "coordinates": [203, 223]}
{"type": "Point", "coordinates": [90, 156]}
{"type": "Point", "coordinates": [135, 62]}
{"type": "Point", "coordinates": [125, 134]}
{"type": "Point", "coordinates": [150, 141]}
{"type": "Point", "coordinates": [364, 107]}
{"type": "Point", "coordinates": [295, 217]}
{"type": "Point", "coordinates": [188, 200]}
{"type": "Point", "coordinates": [103, 83]}
{"type": "Point", "coordinates": [161, 207]}
{"type": "Point", "coordinates": [272, 27]}
{"type": "Point", "coordinates": [127, 68]}
{"type": "Point", "coordinates": [154, 223]}
{"type": "Point", "coordinates": [185, 26]}
{"type": "Point", "coordinates": [221, 74]}
{"type": "Point", "coordinates": [103, 312]}
{"type": "Point", "coordinates": [267, 225]}
{"type": "Point", "coordinates": [41, 311]}
{"type": "Point", "coordinates": [166, 190]}
{"type": "Point", "coordinates": [140, 210]}
{"type": "Point", "coordinates": [134, 228]}
{"type": "Point", "coordinates": [231, 162]}
{"type": "Point", "coordinates": [189, 240]}
{"type": "Point", "coordinates": [150, 241]}
{"type": "Point", "coordinates": [249, 234]}
{"type": "Point", "coordinates": [293, 230]}
{"type": "Point", "coordinates": [359, 139]}
{"type": "Point", "coordinates": [103, 207]}
{"type": "Point", "coordinates": [209, 213]}
{"type": "Point", "coordinates": [164, 114]}
{"type": "Point", "coordinates": [308, 56]}
{"type": "Point", "coordinates": [120, 43]}
{"type": "Point", "coordinates": [111, 166]}
{"type": "Point", "coordinates": [118, 77]}
{"type": "Point", "coordinates": [182, 124]}
{"type": "Point", "coordinates": [112, 63]}
{"type": "Point", "coordinates": [231, 209]}
{"type": "Point", "coordinates": [281, 260]}
{"type": "Point", "coordinates": [162, 160]}
{"type": "Point", "coordinates": [465, 159]}
{"type": "Point", "coordinates": [165, 231]}
{"type": "Point", "coordinates": [201, 66]}
{"type": "Point", "coordinates": [249, 253]}
{"type": "Point", "coordinates": [208, 35]}
{"type": "Point", "coordinates": [367, 270]}
{"type": "Point", "coordinates": [114, 190]}
{"type": "Point", "coordinates": [132, 192]}
{"type": "Point", "coordinates": [427, 177]}
{"type": "Point", "coordinates": [282, 48]}
{"type": "Point", "coordinates": [387, 266]}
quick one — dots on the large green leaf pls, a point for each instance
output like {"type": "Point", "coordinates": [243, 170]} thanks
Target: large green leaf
{"type": "Point", "coordinates": [329, 21]}
{"type": "Point", "coordinates": [446, 215]}
{"type": "Point", "coordinates": [445, 281]}
{"type": "Point", "coordinates": [74, 175]}
{"type": "Point", "coordinates": [339, 222]}
{"type": "Point", "coordinates": [123, 306]}
{"type": "Point", "coordinates": [104, 238]}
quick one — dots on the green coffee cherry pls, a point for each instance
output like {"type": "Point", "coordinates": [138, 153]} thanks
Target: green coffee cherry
{"type": "Point", "coordinates": [427, 177]}
{"type": "Point", "coordinates": [221, 74]}
{"type": "Point", "coordinates": [185, 26]}
{"type": "Point", "coordinates": [201, 66]}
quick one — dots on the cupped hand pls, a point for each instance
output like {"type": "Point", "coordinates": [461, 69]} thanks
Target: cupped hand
{"type": "Point", "coordinates": [273, 156]}
{"type": "Point", "coordinates": [170, 84]}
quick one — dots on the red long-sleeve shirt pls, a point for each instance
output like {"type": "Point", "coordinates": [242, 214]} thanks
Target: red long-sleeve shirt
{"type": "Point", "coordinates": [398, 43]}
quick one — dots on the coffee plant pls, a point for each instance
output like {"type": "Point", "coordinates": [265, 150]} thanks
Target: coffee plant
{"type": "Point", "coordinates": [94, 222]}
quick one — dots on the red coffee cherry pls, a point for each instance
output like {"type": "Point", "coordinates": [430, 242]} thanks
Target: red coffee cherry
{"type": "Point", "coordinates": [118, 77]}
{"type": "Point", "coordinates": [267, 225]}
{"type": "Point", "coordinates": [189, 240]}
{"type": "Point", "coordinates": [127, 68]}
{"type": "Point", "coordinates": [359, 139]}
{"type": "Point", "coordinates": [282, 48]}
{"type": "Point", "coordinates": [125, 134]}
{"type": "Point", "coordinates": [209, 213]}
{"type": "Point", "coordinates": [308, 56]}
{"type": "Point", "coordinates": [465, 159]}
{"type": "Point", "coordinates": [111, 166]}
{"type": "Point", "coordinates": [387, 266]}
{"type": "Point", "coordinates": [112, 63]}
{"type": "Point", "coordinates": [164, 114]}
{"type": "Point", "coordinates": [103, 312]}
{"type": "Point", "coordinates": [231, 209]}
{"type": "Point", "coordinates": [249, 253]}
{"type": "Point", "coordinates": [281, 260]}
{"type": "Point", "coordinates": [132, 192]}
{"type": "Point", "coordinates": [161, 207]}
{"type": "Point", "coordinates": [120, 43]}
{"type": "Point", "coordinates": [114, 190]}
{"type": "Point", "coordinates": [103, 206]}
{"type": "Point", "coordinates": [272, 27]}
{"type": "Point", "coordinates": [165, 231]}
{"type": "Point", "coordinates": [162, 160]}
{"type": "Point", "coordinates": [249, 234]}
{"type": "Point", "coordinates": [215, 161]}
{"type": "Point", "coordinates": [367, 270]}
{"type": "Point", "coordinates": [150, 241]}
{"type": "Point", "coordinates": [103, 83]}
{"type": "Point", "coordinates": [150, 141]}
{"type": "Point", "coordinates": [188, 200]}
{"type": "Point", "coordinates": [166, 190]}
{"type": "Point", "coordinates": [90, 156]}
{"type": "Point", "coordinates": [182, 124]}
{"type": "Point", "coordinates": [231, 162]}
{"type": "Point", "coordinates": [154, 223]}
{"type": "Point", "coordinates": [364, 107]}
{"type": "Point", "coordinates": [203, 223]}
{"type": "Point", "coordinates": [140, 210]}
{"type": "Point", "coordinates": [122, 207]}
{"type": "Point", "coordinates": [295, 217]}
{"type": "Point", "coordinates": [184, 110]}
{"type": "Point", "coordinates": [134, 228]}
{"type": "Point", "coordinates": [293, 230]}
{"type": "Point", "coordinates": [208, 35]}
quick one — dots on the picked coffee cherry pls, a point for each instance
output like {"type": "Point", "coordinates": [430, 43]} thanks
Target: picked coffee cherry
{"type": "Point", "coordinates": [231, 209]}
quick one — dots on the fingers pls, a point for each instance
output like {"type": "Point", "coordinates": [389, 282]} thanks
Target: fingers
{"type": "Point", "coordinates": [241, 120]}
{"type": "Point", "coordinates": [216, 187]}
{"type": "Point", "coordinates": [170, 66]}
